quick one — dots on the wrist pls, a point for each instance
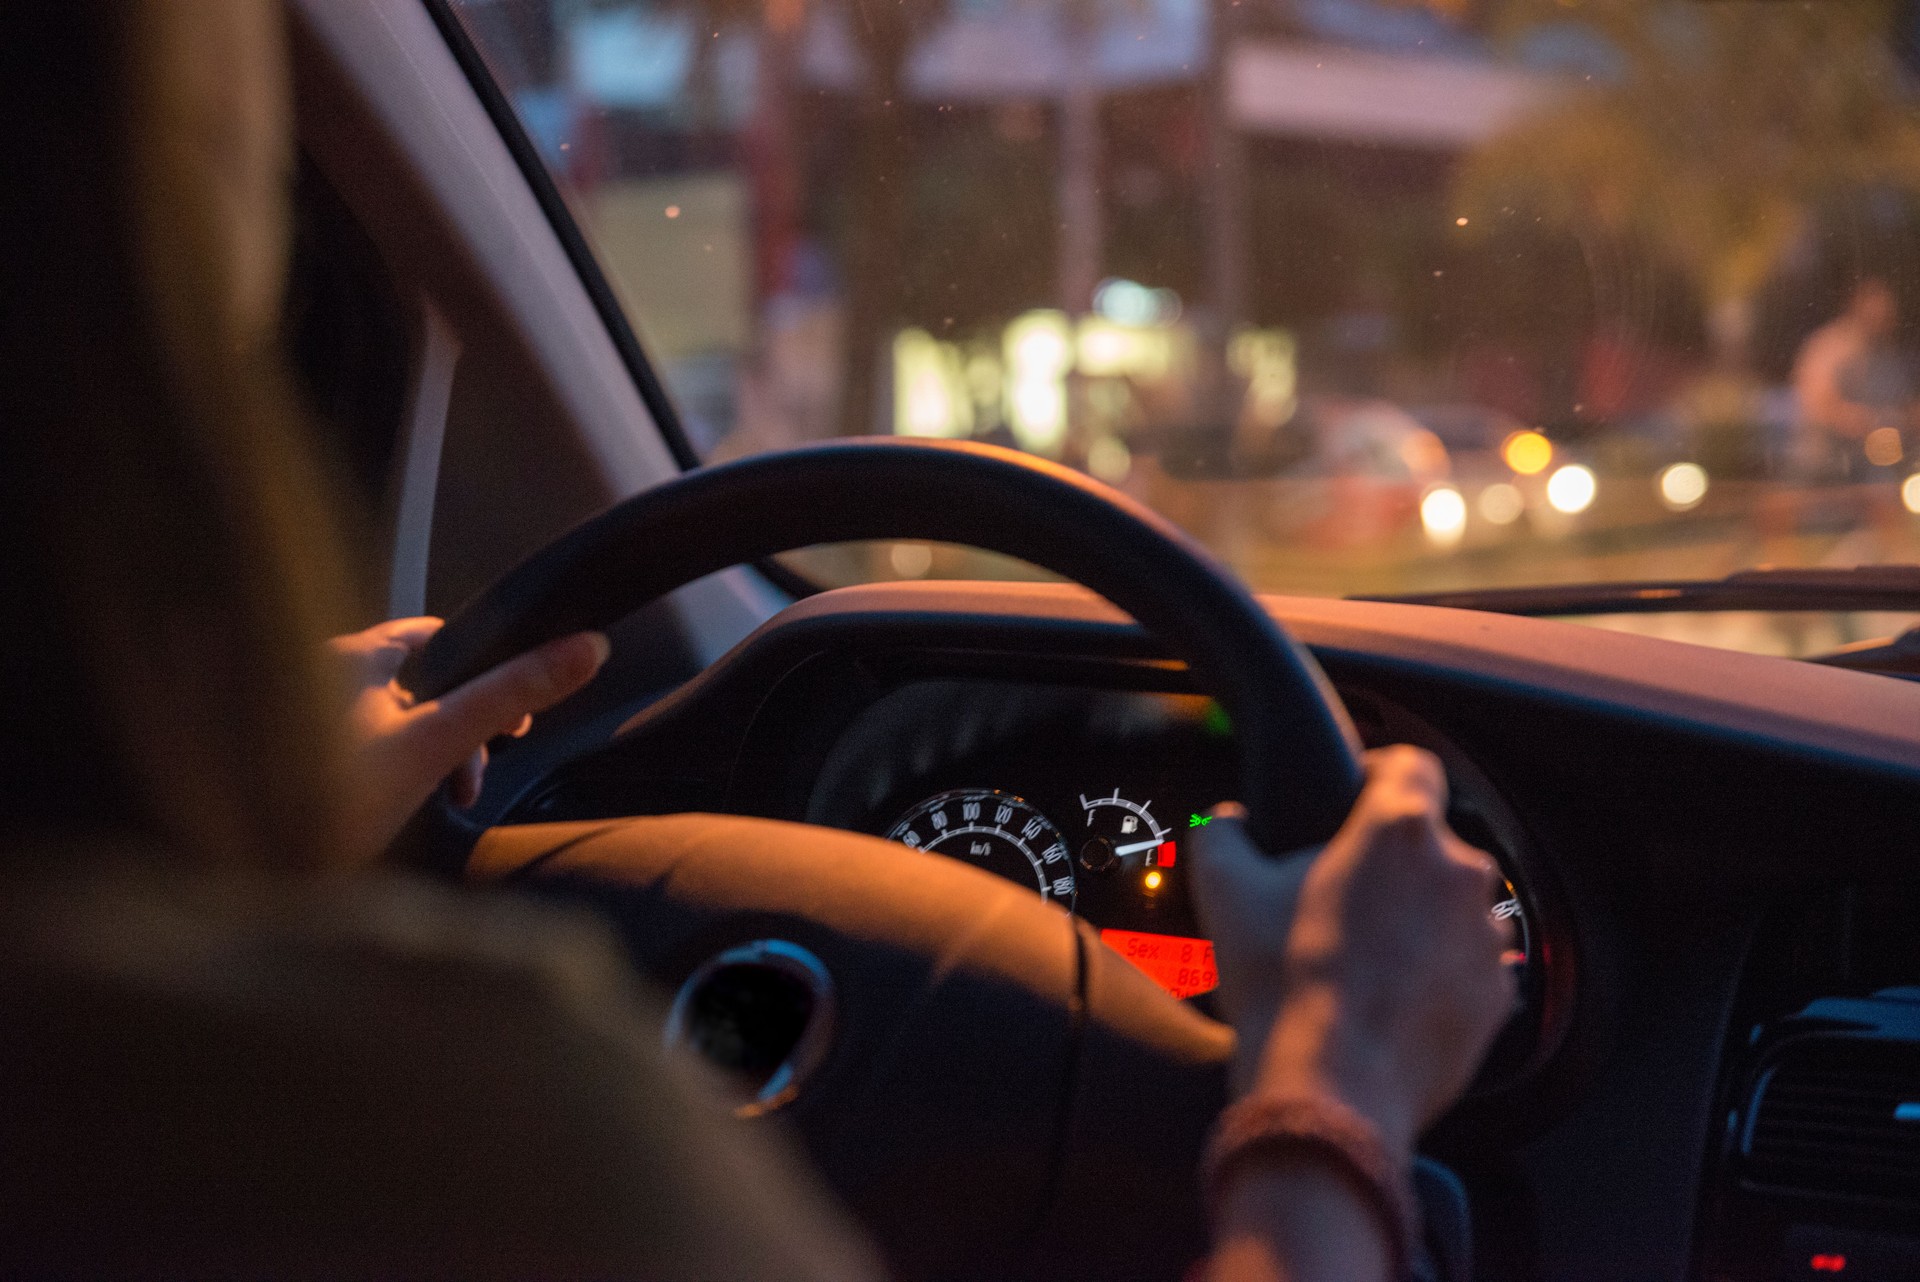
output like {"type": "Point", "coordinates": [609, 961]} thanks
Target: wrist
{"type": "Point", "coordinates": [1269, 1147]}
{"type": "Point", "coordinates": [1316, 1050]}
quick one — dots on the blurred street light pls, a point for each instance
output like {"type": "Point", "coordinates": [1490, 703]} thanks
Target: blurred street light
{"type": "Point", "coordinates": [1443, 513]}
{"type": "Point", "coordinates": [1910, 493]}
{"type": "Point", "coordinates": [1682, 485]}
{"type": "Point", "coordinates": [1571, 489]}
{"type": "Point", "coordinates": [1527, 453]}
{"type": "Point", "coordinates": [1502, 504]}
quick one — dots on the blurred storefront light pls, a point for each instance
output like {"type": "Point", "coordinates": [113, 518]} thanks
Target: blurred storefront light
{"type": "Point", "coordinates": [1039, 352]}
{"type": "Point", "coordinates": [930, 394]}
{"type": "Point", "coordinates": [1527, 453]}
{"type": "Point", "coordinates": [1268, 359]}
{"type": "Point", "coordinates": [1682, 485]}
{"type": "Point", "coordinates": [1443, 514]}
{"type": "Point", "coordinates": [1502, 504]}
{"type": "Point", "coordinates": [1107, 350]}
{"type": "Point", "coordinates": [1128, 302]}
{"type": "Point", "coordinates": [1571, 489]}
{"type": "Point", "coordinates": [953, 389]}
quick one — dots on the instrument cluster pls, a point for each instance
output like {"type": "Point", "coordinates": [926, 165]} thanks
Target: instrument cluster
{"type": "Point", "coordinates": [1088, 797]}
{"type": "Point", "coordinates": [1114, 851]}
{"type": "Point", "coordinates": [1091, 798]}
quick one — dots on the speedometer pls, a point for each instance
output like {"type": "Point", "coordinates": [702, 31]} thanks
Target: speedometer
{"type": "Point", "coordinates": [993, 830]}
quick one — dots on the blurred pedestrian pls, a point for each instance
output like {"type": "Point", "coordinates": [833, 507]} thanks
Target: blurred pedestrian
{"type": "Point", "coordinates": [1853, 392]}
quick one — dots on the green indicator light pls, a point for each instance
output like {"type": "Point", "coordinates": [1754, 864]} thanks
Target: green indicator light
{"type": "Point", "coordinates": [1199, 821]}
{"type": "Point", "coordinates": [1215, 720]}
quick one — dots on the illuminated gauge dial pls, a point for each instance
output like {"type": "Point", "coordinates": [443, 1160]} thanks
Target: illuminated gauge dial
{"type": "Point", "coordinates": [996, 831]}
{"type": "Point", "coordinates": [1121, 835]}
{"type": "Point", "coordinates": [1507, 907]}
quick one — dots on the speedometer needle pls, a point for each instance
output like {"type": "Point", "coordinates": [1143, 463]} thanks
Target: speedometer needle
{"type": "Point", "coordinates": [1136, 847]}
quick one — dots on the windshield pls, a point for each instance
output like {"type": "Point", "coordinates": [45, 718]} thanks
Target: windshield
{"type": "Point", "coordinates": [1372, 296]}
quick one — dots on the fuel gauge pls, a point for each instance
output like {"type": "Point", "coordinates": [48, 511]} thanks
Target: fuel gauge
{"type": "Point", "coordinates": [1123, 836]}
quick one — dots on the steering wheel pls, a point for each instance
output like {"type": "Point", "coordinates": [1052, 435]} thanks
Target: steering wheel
{"type": "Point", "coordinates": [999, 1088]}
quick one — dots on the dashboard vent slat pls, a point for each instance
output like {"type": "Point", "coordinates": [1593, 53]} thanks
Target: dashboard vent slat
{"type": "Point", "coordinates": [1826, 1121]}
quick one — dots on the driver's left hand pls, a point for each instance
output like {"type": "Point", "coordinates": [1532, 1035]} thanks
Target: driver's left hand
{"type": "Point", "coordinates": [401, 749]}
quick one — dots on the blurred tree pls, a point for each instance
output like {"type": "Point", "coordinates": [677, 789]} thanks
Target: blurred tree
{"type": "Point", "coordinates": [768, 143]}
{"type": "Point", "coordinates": [877, 155]}
{"type": "Point", "coordinates": [1723, 129]}
{"type": "Point", "coordinates": [881, 179]}
{"type": "Point", "coordinates": [982, 216]}
{"type": "Point", "coordinates": [1155, 151]}
{"type": "Point", "coordinates": [888, 180]}
{"type": "Point", "coordinates": [879, 184]}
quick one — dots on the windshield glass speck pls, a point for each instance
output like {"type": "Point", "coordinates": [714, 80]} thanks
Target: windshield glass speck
{"type": "Point", "coordinates": [1372, 296]}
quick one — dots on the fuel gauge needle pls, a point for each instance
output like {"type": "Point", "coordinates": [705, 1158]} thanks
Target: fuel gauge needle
{"type": "Point", "coordinates": [1136, 847]}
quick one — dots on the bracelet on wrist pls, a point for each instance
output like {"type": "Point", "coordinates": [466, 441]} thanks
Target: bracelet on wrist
{"type": "Point", "coordinates": [1263, 1130]}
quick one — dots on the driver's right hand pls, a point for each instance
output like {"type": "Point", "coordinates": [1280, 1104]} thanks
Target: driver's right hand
{"type": "Point", "coordinates": [1370, 971]}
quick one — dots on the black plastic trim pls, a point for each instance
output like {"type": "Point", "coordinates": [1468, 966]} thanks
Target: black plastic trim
{"type": "Point", "coordinates": [1894, 588]}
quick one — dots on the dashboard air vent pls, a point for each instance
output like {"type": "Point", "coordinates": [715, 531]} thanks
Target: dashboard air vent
{"type": "Point", "coordinates": [1839, 1117]}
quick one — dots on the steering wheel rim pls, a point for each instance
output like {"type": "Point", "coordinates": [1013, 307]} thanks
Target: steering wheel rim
{"type": "Point", "coordinates": [1299, 756]}
{"type": "Point", "coordinates": [946, 1143]}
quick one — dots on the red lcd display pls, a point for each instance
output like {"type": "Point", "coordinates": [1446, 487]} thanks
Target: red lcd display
{"type": "Point", "coordinates": [1182, 966]}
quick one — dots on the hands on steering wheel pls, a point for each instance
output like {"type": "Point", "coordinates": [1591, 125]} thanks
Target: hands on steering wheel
{"type": "Point", "coordinates": [1372, 971]}
{"type": "Point", "coordinates": [1369, 976]}
{"type": "Point", "coordinates": [400, 748]}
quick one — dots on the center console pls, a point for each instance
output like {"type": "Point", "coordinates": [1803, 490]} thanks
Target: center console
{"type": "Point", "coordinates": [1816, 1173]}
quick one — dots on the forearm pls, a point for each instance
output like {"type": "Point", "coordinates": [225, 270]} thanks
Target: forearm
{"type": "Point", "coordinates": [1297, 1221]}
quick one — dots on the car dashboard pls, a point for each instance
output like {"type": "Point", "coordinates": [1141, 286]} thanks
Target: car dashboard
{"type": "Point", "coordinates": [1700, 848]}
